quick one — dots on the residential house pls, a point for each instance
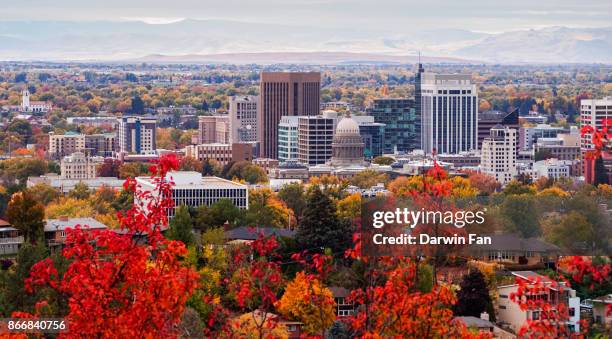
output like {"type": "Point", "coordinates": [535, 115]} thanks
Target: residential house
{"type": "Point", "coordinates": [509, 312]}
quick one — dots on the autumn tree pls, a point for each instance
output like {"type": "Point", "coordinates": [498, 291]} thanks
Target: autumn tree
{"type": "Point", "coordinates": [368, 178]}
{"type": "Point", "coordinates": [308, 301]}
{"type": "Point", "coordinates": [43, 193]}
{"type": "Point", "coordinates": [484, 183]}
{"type": "Point", "coordinates": [27, 215]}
{"type": "Point", "coordinates": [382, 160]}
{"type": "Point", "coordinates": [350, 207]}
{"type": "Point", "coordinates": [294, 197]}
{"type": "Point", "coordinates": [80, 191]}
{"type": "Point", "coordinates": [266, 210]}
{"type": "Point", "coordinates": [190, 164]}
{"type": "Point", "coordinates": [114, 285]}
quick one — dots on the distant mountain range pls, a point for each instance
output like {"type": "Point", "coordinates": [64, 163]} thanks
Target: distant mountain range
{"type": "Point", "coordinates": [240, 42]}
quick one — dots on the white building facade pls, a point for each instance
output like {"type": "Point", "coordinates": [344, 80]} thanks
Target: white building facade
{"type": "Point", "coordinates": [192, 189]}
{"type": "Point", "coordinates": [79, 166]}
{"type": "Point", "coordinates": [448, 109]}
{"type": "Point", "coordinates": [243, 112]}
{"type": "Point", "coordinates": [498, 155]}
{"type": "Point", "coordinates": [288, 138]}
{"type": "Point", "coordinates": [592, 113]}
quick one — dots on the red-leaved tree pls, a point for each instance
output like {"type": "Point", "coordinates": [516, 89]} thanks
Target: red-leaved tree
{"type": "Point", "coordinates": [116, 284]}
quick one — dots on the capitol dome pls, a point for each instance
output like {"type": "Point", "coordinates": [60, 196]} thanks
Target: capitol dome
{"type": "Point", "coordinates": [347, 126]}
{"type": "Point", "coordinates": [347, 145]}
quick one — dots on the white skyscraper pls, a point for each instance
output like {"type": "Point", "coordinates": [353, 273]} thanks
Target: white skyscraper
{"type": "Point", "coordinates": [447, 105]}
{"type": "Point", "coordinates": [592, 113]}
{"type": "Point", "coordinates": [499, 154]}
{"type": "Point", "coordinates": [243, 111]}
{"type": "Point", "coordinates": [288, 138]}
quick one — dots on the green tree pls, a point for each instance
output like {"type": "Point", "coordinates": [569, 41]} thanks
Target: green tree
{"type": "Point", "coordinates": [473, 296]}
{"type": "Point", "coordinates": [320, 226]}
{"type": "Point", "coordinates": [522, 214]}
{"type": "Point", "coordinates": [216, 215]}
{"type": "Point", "coordinates": [13, 296]}
{"type": "Point", "coordinates": [181, 227]}
{"type": "Point", "coordinates": [574, 230]}
{"type": "Point", "coordinates": [137, 105]}
{"type": "Point", "coordinates": [27, 215]}
{"type": "Point", "coordinates": [293, 196]}
{"type": "Point", "coordinates": [80, 191]}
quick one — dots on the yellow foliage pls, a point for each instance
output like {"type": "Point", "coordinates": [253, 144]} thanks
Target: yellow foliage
{"type": "Point", "coordinates": [350, 207]}
{"type": "Point", "coordinates": [605, 190]}
{"type": "Point", "coordinates": [308, 301]}
{"type": "Point", "coordinates": [70, 208]}
{"type": "Point", "coordinates": [553, 192]}
{"type": "Point", "coordinates": [258, 324]}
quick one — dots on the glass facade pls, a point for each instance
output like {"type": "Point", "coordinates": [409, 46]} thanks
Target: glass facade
{"type": "Point", "coordinates": [402, 128]}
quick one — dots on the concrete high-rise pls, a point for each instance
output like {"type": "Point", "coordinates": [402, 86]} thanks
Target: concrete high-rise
{"type": "Point", "coordinates": [136, 135]}
{"type": "Point", "coordinates": [284, 94]}
{"type": "Point", "coordinates": [214, 129]}
{"type": "Point", "coordinates": [243, 111]}
{"type": "Point", "coordinates": [592, 113]}
{"type": "Point", "coordinates": [499, 154]}
{"type": "Point", "coordinates": [315, 136]}
{"type": "Point", "coordinates": [447, 105]}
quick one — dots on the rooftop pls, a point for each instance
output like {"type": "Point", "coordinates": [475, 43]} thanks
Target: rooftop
{"type": "Point", "coordinates": [192, 179]}
{"type": "Point", "coordinates": [52, 225]}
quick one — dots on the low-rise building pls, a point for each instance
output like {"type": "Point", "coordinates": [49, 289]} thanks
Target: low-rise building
{"type": "Point", "coordinates": [10, 238]}
{"type": "Point", "coordinates": [513, 249]}
{"type": "Point", "coordinates": [192, 189]}
{"type": "Point", "coordinates": [79, 166]}
{"type": "Point", "coordinates": [223, 153]}
{"type": "Point", "coordinates": [67, 185]}
{"type": "Point", "coordinates": [555, 293]}
{"type": "Point", "coordinates": [601, 310]}
{"type": "Point", "coordinates": [554, 168]}
{"type": "Point", "coordinates": [56, 229]}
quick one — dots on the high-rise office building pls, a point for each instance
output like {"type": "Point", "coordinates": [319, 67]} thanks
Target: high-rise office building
{"type": "Point", "coordinates": [136, 135]}
{"type": "Point", "coordinates": [448, 109]}
{"type": "Point", "coordinates": [214, 129]}
{"type": "Point", "coordinates": [284, 94]}
{"type": "Point", "coordinates": [499, 154]}
{"type": "Point", "coordinates": [315, 136]}
{"type": "Point", "coordinates": [402, 128]}
{"type": "Point", "coordinates": [288, 138]}
{"type": "Point", "coordinates": [243, 111]}
{"type": "Point", "coordinates": [592, 113]}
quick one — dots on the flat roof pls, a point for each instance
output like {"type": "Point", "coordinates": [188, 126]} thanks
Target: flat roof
{"type": "Point", "coordinates": [52, 225]}
{"type": "Point", "coordinates": [192, 179]}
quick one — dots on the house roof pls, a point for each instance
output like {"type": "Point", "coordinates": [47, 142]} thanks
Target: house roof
{"type": "Point", "coordinates": [4, 223]}
{"type": "Point", "coordinates": [52, 225]}
{"type": "Point", "coordinates": [531, 276]}
{"type": "Point", "coordinates": [339, 292]}
{"type": "Point", "coordinates": [470, 321]}
{"type": "Point", "coordinates": [606, 299]}
{"type": "Point", "coordinates": [251, 233]}
{"type": "Point", "coordinates": [513, 242]}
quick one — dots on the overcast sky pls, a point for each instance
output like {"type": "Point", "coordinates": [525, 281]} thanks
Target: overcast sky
{"type": "Point", "coordinates": [387, 15]}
